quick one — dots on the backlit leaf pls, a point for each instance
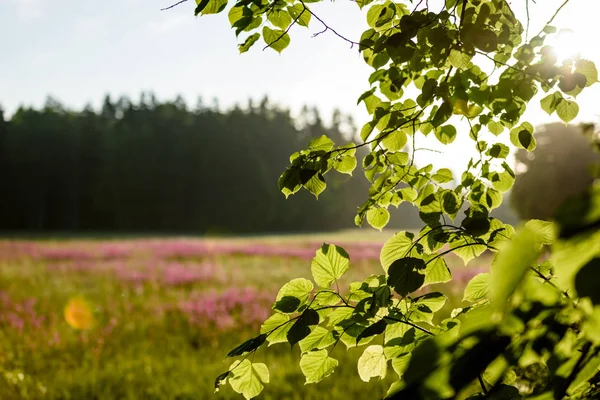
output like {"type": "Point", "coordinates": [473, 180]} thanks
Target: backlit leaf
{"type": "Point", "coordinates": [317, 365]}
{"type": "Point", "coordinates": [477, 288]}
{"type": "Point", "coordinates": [276, 327]}
{"type": "Point", "coordinates": [300, 14]}
{"type": "Point", "coordinates": [378, 217]}
{"type": "Point", "coordinates": [372, 363]}
{"type": "Point", "coordinates": [319, 338]}
{"type": "Point", "coordinates": [248, 378]}
{"type": "Point", "coordinates": [329, 264]}
{"type": "Point", "coordinates": [276, 39]}
{"type": "Point", "coordinates": [244, 47]}
{"type": "Point", "coordinates": [395, 248]}
{"type": "Point", "coordinates": [567, 110]}
{"type": "Point", "coordinates": [511, 264]}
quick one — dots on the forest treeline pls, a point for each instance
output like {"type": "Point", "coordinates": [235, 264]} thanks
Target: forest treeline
{"type": "Point", "coordinates": [150, 166]}
{"type": "Point", "coordinates": [160, 166]}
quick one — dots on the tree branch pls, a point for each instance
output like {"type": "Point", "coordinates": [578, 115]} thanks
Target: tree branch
{"type": "Point", "coordinates": [173, 5]}
{"type": "Point", "coordinates": [328, 28]}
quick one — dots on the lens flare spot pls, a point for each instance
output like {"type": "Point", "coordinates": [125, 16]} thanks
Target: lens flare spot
{"type": "Point", "coordinates": [78, 314]}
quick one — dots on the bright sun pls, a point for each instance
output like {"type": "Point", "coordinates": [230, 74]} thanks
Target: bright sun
{"type": "Point", "coordinates": [569, 45]}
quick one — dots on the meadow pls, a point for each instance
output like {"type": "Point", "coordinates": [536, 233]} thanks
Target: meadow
{"type": "Point", "coordinates": [153, 318]}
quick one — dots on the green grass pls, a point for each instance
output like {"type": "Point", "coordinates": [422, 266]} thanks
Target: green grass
{"type": "Point", "coordinates": [142, 345]}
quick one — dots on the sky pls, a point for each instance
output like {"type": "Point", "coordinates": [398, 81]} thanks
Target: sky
{"type": "Point", "coordinates": [78, 51]}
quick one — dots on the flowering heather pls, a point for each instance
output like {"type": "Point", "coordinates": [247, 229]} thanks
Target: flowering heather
{"type": "Point", "coordinates": [231, 308]}
{"type": "Point", "coordinates": [82, 251]}
{"type": "Point", "coordinates": [21, 316]}
{"type": "Point", "coordinates": [179, 274]}
{"type": "Point", "coordinates": [160, 308]}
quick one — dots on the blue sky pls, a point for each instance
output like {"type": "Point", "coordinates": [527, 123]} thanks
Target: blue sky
{"type": "Point", "coordinates": [77, 51]}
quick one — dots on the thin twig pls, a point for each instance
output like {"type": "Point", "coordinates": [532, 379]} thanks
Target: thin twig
{"type": "Point", "coordinates": [482, 384]}
{"type": "Point", "coordinates": [558, 10]}
{"type": "Point", "coordinates": [548, 281]}
{"type": "Point", "coordinates": [173, 5]}
{"type": "Point", "coordinates": [328, 28]}
{"type": "Point", "coordinates": [410, 324]}
{"type": "Point", "coordinates": [528, 20]}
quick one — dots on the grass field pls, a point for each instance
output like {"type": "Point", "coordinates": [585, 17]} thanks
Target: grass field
{"type": "Point", "coordinates": [153, 318]}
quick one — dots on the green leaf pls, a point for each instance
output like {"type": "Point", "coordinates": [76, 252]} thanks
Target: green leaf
{"type": "Point", "coordinates": [248, 346]}
{"type": "Point", "coordinates": [587, 372]}
{"type": "Point", "coordinates": [210, 6]}
{"type": "Point", "coordinates": [289, 182]}
{"type": "Point", "coordinates": [322, 143]}
{"type": "Point", "coordinates": [345, 164]}
{"type": "Point", "coordinates": [299, 289]}
{"type": "Point", "coordinates": [477, 288]}
{"type": "Point", "coordinates": [493, 198]}
{"type": "Point", "coordinates": [372, 330]}
{"type": "Point", "coordinates": [248, 378]}
{"type": "Point", "coordinates": [567, 110]}
{"type": "Point", "coordinates": [502, 181]}
{"type": "Point", "coordinates": [547, 231]}
{"type": "Point", "coordinates": [316, 185]}
{"type": "Point", "coordinates": [495, 128]}
{"type": "Point", "coordinates": [405, 276]}
{"type": "Point", "coordinates": [498, 150]}
{"type": "Point", "coordinates": [341, 314]}
{"type": "Point", "coordinates": [301, 328]}
{"type": "Point", "coordinates": [280, 18]}
{"type": "Point", "coordinates": [468, 251]}
{"type": "Point", "coordinates": [423, 307]}
{"type": "Point", "coordinates": [523, 137]}
{"type": "Point", "coordinates": [446, 134]}
{"type": "Point", "coordinates": [400, 363]}
{"type": "Point", "coordinates": [329, 264]}
{"type": "Point", "coordinates": [276, 39]}
{"type": "Point", "coordinates": [372, 363]}
{"type": "Point", "coordinates": [300, 14]}
{"type": "Point", "coordinates": [591, 327]}
{"type": "Point", "coordinates": [458, 59]}
{"type": "Point", "coordinates": [511, 264]}
{"type": "Point", "coordinates": [443, 175]}
{"type": "Point", "coordinates": [317, 365]}
{"type": "Point", "coordinates": [451, 203]}
{"type": "Point", "coordinates": [588, 69]}
{"type": "Point", "coordinates": [408, 194]}
{"type": "Point", "coordinates": [236, 13]}
{"type": "Point", "coordinates": [437, 271]}
{"type": "Point", "coordinates": [250, 40]}
{"type": "Point", "coordinates": [395, 141]}
{"type": "Point", "coordinates": [550, 102]}
{"type": "Point", "coordinates": [395, 248]}
{"type": "Point", "coordinates": [319, 338]}
{"type": "Point", "coordinates": [378, 217]}
{"type": "Point", "coordinates": [276, 327]}
{"type": "Point", "coordinates": [374, 13]}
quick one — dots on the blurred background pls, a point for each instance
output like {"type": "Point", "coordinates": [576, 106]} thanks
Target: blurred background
{"type": "Point", "coordinates": [142, 233]}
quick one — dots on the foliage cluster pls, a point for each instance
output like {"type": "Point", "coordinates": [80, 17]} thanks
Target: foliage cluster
{"type": "Point", "coordinates": [532, 324]}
